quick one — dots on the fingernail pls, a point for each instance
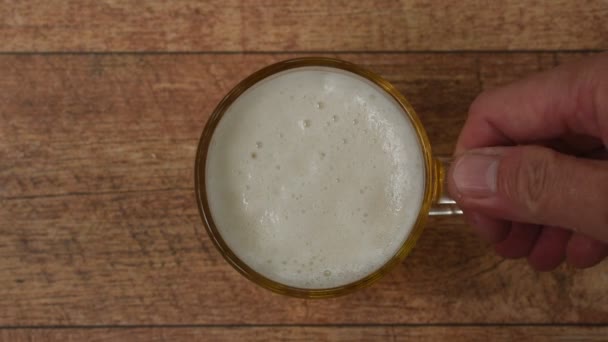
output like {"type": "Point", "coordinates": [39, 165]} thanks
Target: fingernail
{"type": "Point", "coordinates": [475, 174]}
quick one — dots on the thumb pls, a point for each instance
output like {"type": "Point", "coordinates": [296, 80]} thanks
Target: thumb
{"type": "Point", "coordinates": [536, 185]}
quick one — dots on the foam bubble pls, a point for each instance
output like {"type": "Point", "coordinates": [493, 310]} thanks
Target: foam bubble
{"type": "Point", "coordinates": [305, 123]}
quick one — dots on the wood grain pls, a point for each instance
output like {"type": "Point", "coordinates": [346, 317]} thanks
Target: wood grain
{"type": "Point", "coordinates": [142, 258]}
{"type": "Point", "coordinates": [100, 238]}
{"type": "Point", "coordinates": [277, 25]}
{"type": "Point", "coordinates": [340, 333]}
{"type": "Point", "coordinates": [98, 222]}
{"type": "Point", "coordinates": [91, 124]}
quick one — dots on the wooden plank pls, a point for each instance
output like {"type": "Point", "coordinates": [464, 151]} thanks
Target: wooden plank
{"type": "Point", "coordinates": [83, 124]}
{"type": "Point", "coordinates": [364, 333]}
{"type": "Point", "coordinates": [277, 25]}
{"type": "Point", "coordinates": [143, 258]}
{"type": "Point", "coordinates": [98, 223]}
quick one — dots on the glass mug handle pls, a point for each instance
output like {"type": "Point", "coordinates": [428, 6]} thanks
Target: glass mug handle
{"type": "Point", "coordinates": [443, 204]}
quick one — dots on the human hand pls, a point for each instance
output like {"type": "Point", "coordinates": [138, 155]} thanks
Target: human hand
{"type": "Point", "coordinates": [531, 168]}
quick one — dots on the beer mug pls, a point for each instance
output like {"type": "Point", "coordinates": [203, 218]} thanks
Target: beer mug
{"type": "Point", "coordinates": [435, 200]}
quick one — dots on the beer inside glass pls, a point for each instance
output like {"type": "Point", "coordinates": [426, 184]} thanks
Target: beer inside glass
{"type": "Point", "coordinates": [249, 109]}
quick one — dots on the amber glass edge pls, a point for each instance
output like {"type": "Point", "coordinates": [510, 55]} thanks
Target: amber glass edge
{"type": "Point", "coordinates": [200, 186]}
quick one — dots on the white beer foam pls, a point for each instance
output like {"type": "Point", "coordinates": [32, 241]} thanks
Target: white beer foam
{"type": "Point", "coordinates": [315, 177]}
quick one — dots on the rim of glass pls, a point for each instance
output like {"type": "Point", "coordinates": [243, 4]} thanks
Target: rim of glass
{"type": "Point", "coordinates": [201, 191]}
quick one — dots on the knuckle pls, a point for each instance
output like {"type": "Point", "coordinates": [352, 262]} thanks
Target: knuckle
{"type": "Point", "coordinates": [479, 105]}
{"type": "Point", "coordinates": [534, 175]}
{"type": "Point", "coordinates": [531, 180]}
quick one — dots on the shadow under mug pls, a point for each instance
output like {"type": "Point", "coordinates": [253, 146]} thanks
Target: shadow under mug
{"type": "Point", "coordinates": [435, 201]}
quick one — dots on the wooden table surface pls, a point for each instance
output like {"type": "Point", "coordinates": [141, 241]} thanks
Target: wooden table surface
{"type": "Point", "coordinates": [101, 107]}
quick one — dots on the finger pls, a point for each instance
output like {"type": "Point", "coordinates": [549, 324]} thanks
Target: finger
{"type": "Point", "coordinates": [584, 252]}
{"type": "Point", "coordinates": [572, 98]}
{"type": "Point", "coordinates": [600, 154]}
{"type": "Point", "coordinates": [535, 185]}
{"type": "Point", "coordinates": [489, 229]}
{"type": "Point", "coordinates": [550, 249]}
{"type": "Point", "coordinates": [574, 144]}
{"type": "Point", "coordinates": [520, 241]}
